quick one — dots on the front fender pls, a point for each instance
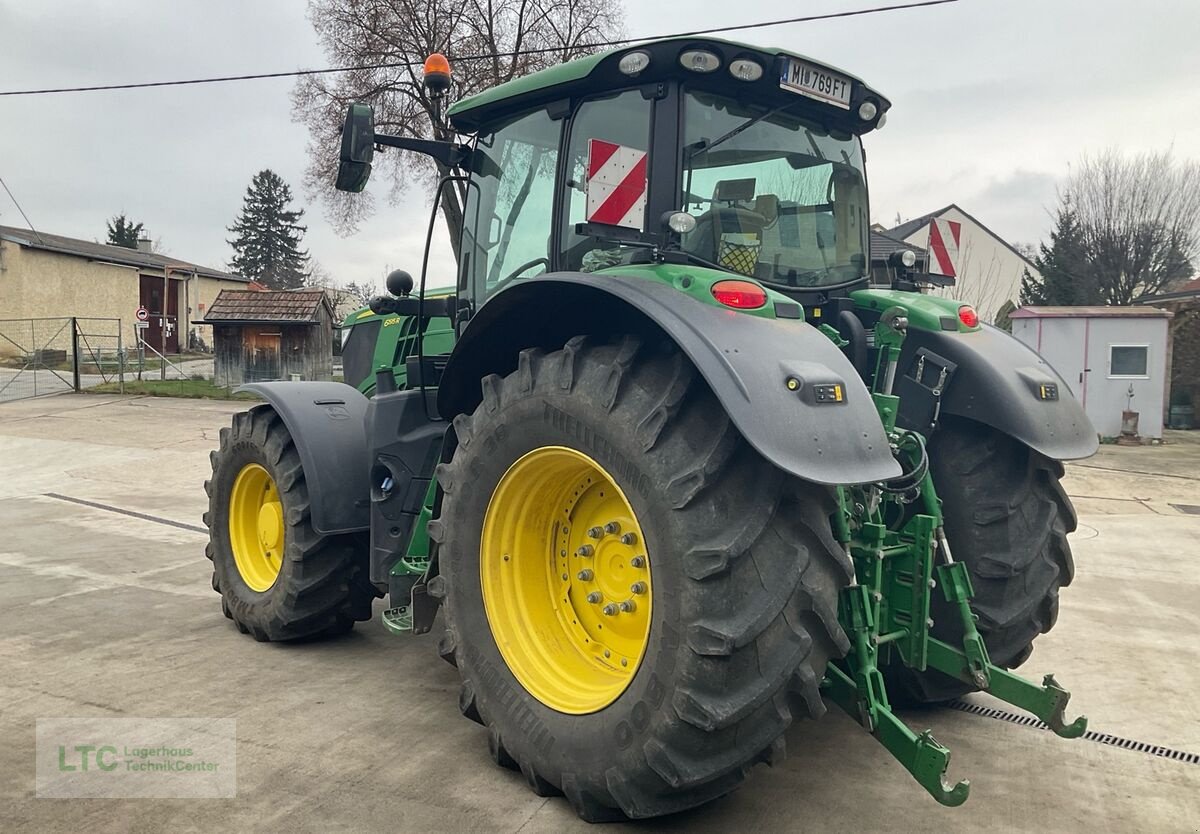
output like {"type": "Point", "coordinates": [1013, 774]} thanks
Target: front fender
{"type": "Point", "coordinates": [997, 383]}
{"type": "Point", "coordinates": [746, 360]}
{"type": "Point", "coordinates": [327, 423]}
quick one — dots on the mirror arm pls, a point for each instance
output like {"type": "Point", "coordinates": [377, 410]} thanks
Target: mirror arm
{"type": "Point", "coordinates": [382, 305]}
{"type": "Point", "coordinates": [449, 154]}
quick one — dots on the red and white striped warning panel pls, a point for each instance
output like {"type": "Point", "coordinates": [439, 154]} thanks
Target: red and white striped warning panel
{"type": "Point", "coordinates": [943, 247]}
{"type": "Point", "coordinates": [616, 185]}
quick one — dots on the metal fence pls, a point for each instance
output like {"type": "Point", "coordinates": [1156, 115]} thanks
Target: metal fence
{"type": "Point", "coordinates": [41, 357]}
{"type": "Point", "coordinates": [46, 356]}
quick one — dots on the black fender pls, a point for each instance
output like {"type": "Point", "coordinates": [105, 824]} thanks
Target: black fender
{"type": "Point", "coordinates": [746, 360]}
{"type": "Point", "coordinates": [998, 382]}
{"type": "Point", "coordinates": [327, 423]}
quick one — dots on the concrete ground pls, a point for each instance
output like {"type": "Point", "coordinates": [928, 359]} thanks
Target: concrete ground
{"type": "Point", "coordinates": [102, 614]}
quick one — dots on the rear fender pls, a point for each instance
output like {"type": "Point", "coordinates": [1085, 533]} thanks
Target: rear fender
{"type": "Point", "coordinates": [327, 423]}
{"type": "Point", "coordinates": [746, 361]}
{"type": "Point", "coordinates": [999, 382]}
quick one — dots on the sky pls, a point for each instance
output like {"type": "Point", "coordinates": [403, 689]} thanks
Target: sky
{"type": "Point", "coordinates": [992, 101]}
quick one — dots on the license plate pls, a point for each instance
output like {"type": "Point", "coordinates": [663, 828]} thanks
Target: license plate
{"type": "Point", "coordinates": [815, 82]}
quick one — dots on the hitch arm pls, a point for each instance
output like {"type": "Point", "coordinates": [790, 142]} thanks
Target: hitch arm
{"type": "Point", "coordinates": [1048, 702]}
{"type": "Point", "coordinates": [921, 755]}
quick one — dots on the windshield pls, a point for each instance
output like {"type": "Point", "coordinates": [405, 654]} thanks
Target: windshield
{"type": "Point", "coordinates": [775, 196]}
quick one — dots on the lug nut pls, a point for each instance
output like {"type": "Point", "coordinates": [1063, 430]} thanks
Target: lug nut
{"type": "Point", "coordinates": [629, 538]}
{"type": "Point", "coordinates": [594, 597]}
{"type": "Point", "coordinates": [610, 610]}
{"type": "Point", "coordinates": [612, 528]}
{"type": "Point", "coordinates": [638, 561]}
{"type": "Point", "coordinates": [638, 587]}
{"type": "Point", "coordinates": [584, 575]}
{"type": "Point", "coordinates": [594, 532]}
{"type": "Point", "coordinates": [586, 550]}
{"type": "Point", "coordinates": [628, 606]}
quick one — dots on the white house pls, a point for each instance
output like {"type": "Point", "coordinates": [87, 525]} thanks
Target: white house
{"type": "Point", "coordinates": [1112, 359]}
{"type": "Point", "coordinates": [987, 270]}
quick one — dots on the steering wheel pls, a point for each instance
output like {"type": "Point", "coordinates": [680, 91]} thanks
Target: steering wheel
{"type": "Point", "coordinates": [527, 265]}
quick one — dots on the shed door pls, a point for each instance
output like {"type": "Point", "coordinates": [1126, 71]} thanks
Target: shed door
{"type": "Point", "coordinates": [1064, 344]}
{"type": "Point", "coordinates": [262, 355]}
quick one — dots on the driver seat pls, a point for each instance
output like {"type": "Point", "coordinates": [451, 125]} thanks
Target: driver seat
{"type": "Point", "coordinates": [728, 234]}
{"type": "Point", "coordinates": [737, 231]}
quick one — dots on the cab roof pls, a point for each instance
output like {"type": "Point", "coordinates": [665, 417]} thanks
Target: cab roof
{"type": "Point", "coordinates": [596, 73]}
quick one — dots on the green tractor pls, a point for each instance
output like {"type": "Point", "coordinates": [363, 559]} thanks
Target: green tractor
{"type": "Point", "coordinates": [663, 458]}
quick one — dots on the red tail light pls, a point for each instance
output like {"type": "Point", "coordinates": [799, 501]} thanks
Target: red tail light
{"type": "Point", "coordinates": [968, 316]}
{"type": "Point", "coordinates": [742, 295]}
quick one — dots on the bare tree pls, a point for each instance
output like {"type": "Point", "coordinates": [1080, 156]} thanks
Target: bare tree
{"type": "Point", "coordinates": [516, 36]}
{"type": "Point", "coordinates": [1139, 219]}
{"type": "Point", "coordinates": [361, 293]}
{"type": "Point", "coordinates": [319, 276]}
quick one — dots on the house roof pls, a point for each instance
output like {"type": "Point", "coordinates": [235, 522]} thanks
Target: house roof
{"type": "Point", "coordinates": [907, 228]}
{"type": "Point", "coordinates": [253, 306]}
{"type": "Point", "coordinates": [883, 245]}
{"type": "Point", "coordinates": [1083, 312]}
{"type": "Point", "coordinates": [1187, 292]}
{"type": "Point", "coordinates": [107, 253]}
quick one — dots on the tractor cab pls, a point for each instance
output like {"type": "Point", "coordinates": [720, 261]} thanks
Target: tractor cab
{"type": "Point", "coordinates": [737, 161]}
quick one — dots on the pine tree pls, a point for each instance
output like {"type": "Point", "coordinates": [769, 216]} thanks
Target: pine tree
{"type": "Point", "coordinates": [1033, 290]}
{"type": "Point", "coordinates": [268, 235]}
{"type": "Point", "coordinates": [123, 232]}
{"type": "Point", "coordinates": [1068, 275]}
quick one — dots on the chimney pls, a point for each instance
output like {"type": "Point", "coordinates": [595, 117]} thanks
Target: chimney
{"type": "Point", "coordinates": [144, 243]}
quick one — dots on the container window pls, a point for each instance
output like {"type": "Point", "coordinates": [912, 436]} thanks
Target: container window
{"type": "Point", "coordinates": [1128, 361]}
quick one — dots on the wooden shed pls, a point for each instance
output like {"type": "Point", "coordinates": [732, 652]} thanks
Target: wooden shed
{"type": "Point", "coordinates": [263, 336]}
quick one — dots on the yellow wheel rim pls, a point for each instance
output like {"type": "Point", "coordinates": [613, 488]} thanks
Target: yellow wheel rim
{"type": "Point", "coordinates": [256, 528]}
{"type": "Point", "coordinates": [566, 580]}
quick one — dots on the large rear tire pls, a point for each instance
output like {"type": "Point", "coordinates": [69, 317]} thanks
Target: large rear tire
{"type": "Point", "coordinates": [1007, 518]}
{"type": "Point", "coordinates": [278, 578]}
{"type": "Point", "coordinates": [741, 571]}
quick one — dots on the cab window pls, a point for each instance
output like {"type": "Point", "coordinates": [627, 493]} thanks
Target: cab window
{"type": "Point", "coordinates": [622, 119]}
{"type": "Point", "coordinates": [509, 208]}
{"type": "Point", "coordinates": [358, 351]}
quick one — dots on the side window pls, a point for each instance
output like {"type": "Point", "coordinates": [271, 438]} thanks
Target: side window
{"type": "Point", "coordinates": [622, 119]}
{"type": "Point", "coordinates": [1128, 361]}
{"type": "Point", "coordinates": [358, 352]}
{"type": "Point", "coordinates": [510, 204]}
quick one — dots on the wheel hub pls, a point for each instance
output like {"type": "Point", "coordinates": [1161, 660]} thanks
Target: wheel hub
{"type": "Point", "coordinates": [256, 527]}
{"type": "Point", "coordinates": [270, 525]}
{"type": "Point", "coordinates": [566, 580]}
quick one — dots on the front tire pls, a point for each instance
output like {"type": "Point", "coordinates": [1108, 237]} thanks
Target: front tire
{"type": "Point", "coordinates": [278, 578]}
{"type": "Point", "coordinates": [1007, 518]}
{"type": "Point", "coordinates": [743, 577]}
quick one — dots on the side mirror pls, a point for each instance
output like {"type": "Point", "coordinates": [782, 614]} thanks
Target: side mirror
{"type": "Point", "coordinates": [358, 148]}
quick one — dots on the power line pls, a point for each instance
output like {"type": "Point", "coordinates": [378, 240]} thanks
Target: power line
{"type": "Point", "coordinates": [459, 58]}
{"type": "Point", "coordinates": [23, 214]}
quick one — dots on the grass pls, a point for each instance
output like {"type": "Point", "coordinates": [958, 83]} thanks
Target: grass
{"type": "Point", "coordinates": [195, 389]}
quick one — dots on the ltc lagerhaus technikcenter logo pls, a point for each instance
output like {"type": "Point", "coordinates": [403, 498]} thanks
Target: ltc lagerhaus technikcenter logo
{"type": "Point", "coordinates": [139, 758]}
